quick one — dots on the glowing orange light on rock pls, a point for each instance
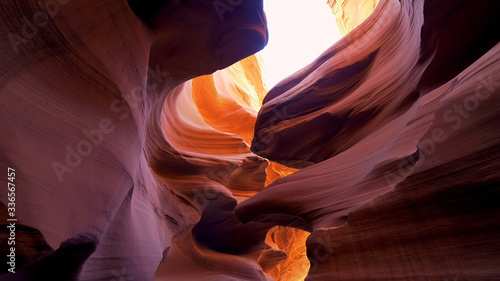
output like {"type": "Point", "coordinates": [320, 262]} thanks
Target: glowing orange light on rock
{"type": "Point", "coordinates": [229, 101]}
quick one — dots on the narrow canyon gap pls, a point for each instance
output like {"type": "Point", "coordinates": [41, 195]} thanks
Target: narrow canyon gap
{"type": "Point", "coordinates": [147, 145]}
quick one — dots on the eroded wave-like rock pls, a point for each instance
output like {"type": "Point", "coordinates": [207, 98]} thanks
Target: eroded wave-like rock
{"type": "Point", "coordinates": [135, 160]}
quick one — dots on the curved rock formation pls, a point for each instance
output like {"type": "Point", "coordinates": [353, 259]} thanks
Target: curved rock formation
{"type": "Point", "coordinates": [83, 89]}
{"type": "Point", "coordinates": [382, 159]}
{"type": "Point", "coordinates": [147, 146]}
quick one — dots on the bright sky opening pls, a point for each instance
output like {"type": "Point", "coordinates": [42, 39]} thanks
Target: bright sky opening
{"type": "Point", "coordinates": [299, 31]}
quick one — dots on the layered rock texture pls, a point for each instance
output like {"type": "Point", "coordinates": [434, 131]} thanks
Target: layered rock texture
{"type": "Point", "coordinates": [148, 147]}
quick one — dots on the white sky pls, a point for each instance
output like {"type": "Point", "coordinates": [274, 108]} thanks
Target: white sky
{"type": "Point", "coordinates": [299, 31]}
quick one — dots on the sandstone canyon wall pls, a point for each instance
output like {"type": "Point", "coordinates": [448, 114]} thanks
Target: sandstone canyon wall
{"type": "Point", "coordinates": [147, 146]}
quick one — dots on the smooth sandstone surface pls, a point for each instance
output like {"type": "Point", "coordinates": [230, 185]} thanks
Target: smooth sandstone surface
{"type": "Point", "coordinates": [148, 147]}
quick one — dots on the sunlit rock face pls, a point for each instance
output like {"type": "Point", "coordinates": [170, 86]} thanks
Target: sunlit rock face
{"type": "Point", "coordinates": [106, 185]}
{"type": "Point", "coordinates": [211, 118]}
{"type": "Point", "coordinates": [148, 147]}
{"type": "Point", "coordinates": [351, 13]}
{"type": "Point", "coordinates": [398, 146]}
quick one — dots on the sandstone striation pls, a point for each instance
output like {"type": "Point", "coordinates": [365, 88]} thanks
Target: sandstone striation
{"type": "Point", "coordinates": [147, 145]}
